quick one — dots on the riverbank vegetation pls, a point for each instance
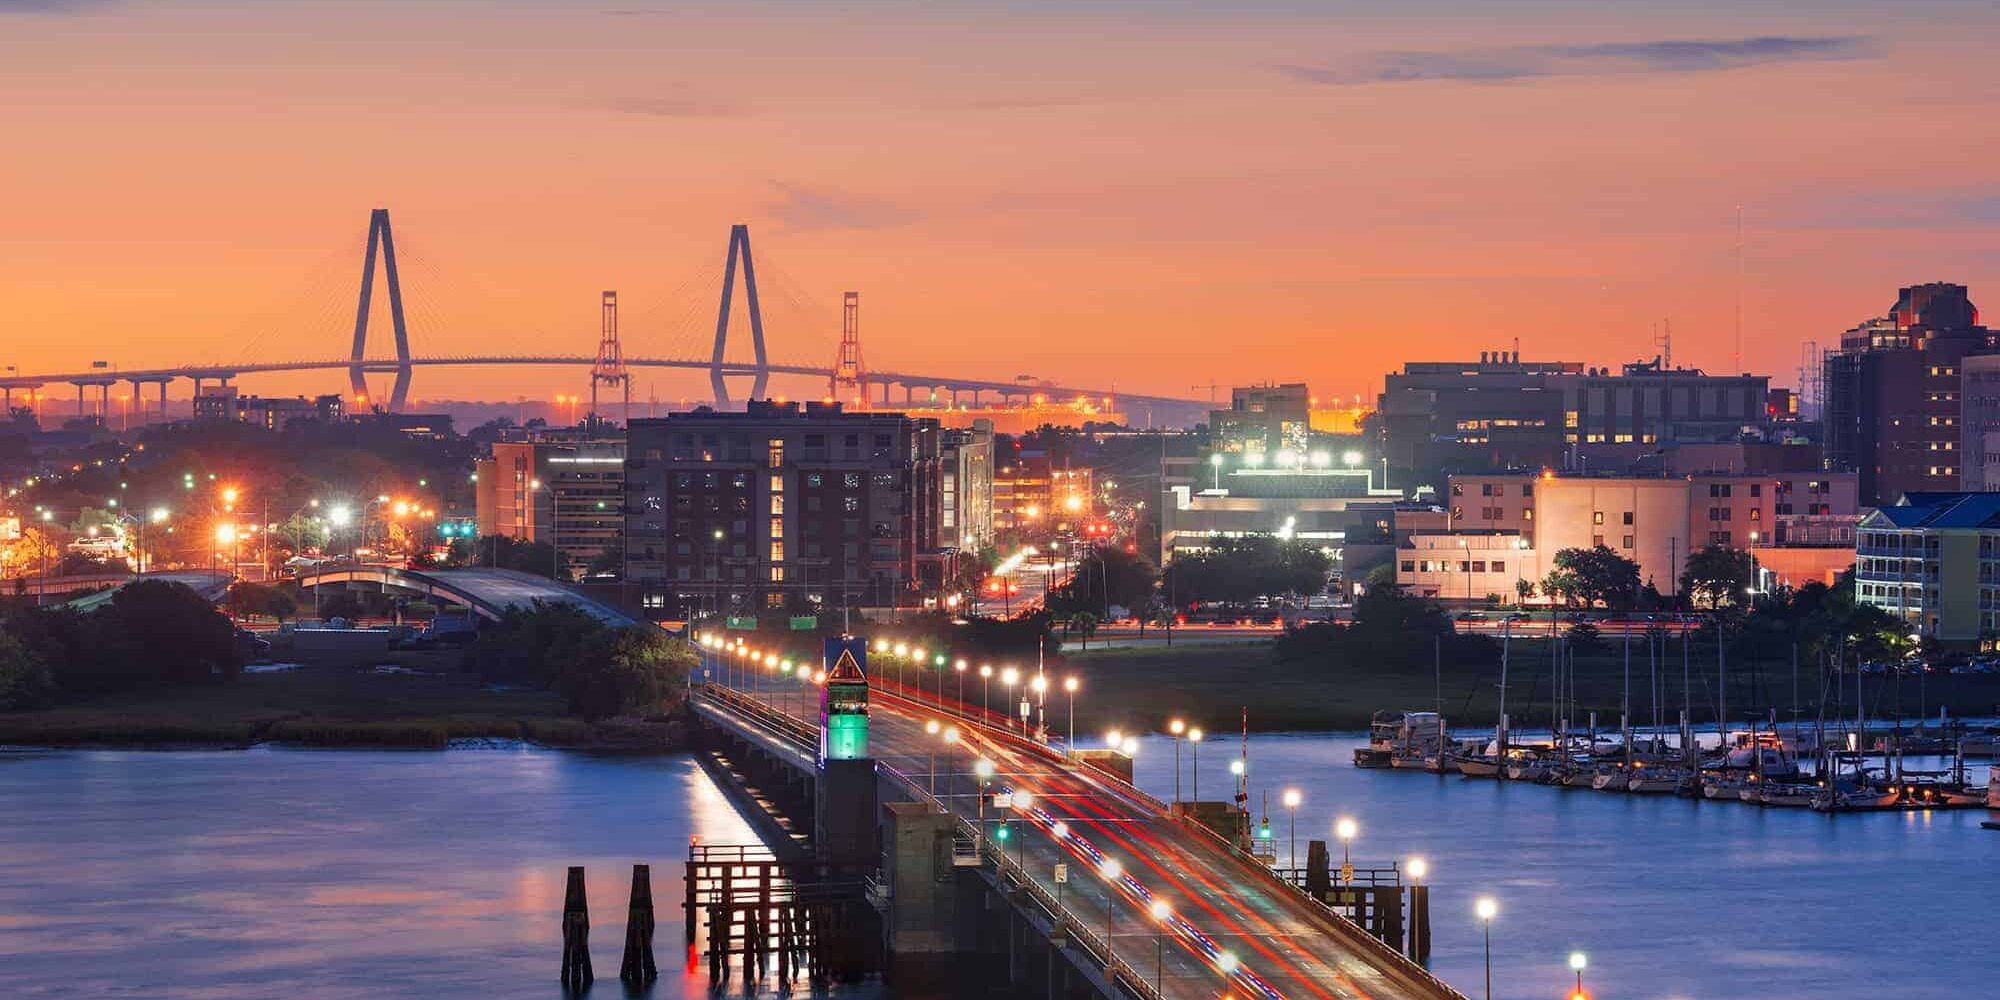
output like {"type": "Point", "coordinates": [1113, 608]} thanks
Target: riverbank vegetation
{"type": "Point", "coordinates": [1402, 652]}
{"type": "Point", "coordinates": [157, 665]}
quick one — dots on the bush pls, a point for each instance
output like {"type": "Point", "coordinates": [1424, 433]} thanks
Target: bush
{"type": "Point", "coordinates": [25, 681]}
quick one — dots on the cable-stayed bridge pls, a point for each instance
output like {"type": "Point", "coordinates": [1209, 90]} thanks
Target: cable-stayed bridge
{"type": "Point", "coordinates": [844, 378]}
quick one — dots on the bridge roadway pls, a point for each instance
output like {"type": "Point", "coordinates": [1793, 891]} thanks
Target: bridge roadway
{"type": "Point", "coordinates": [1287, 945]}
{"type": "Point", "coordinates": [488, 592]}
{"type": "Point", "coordinates": [105, 376]}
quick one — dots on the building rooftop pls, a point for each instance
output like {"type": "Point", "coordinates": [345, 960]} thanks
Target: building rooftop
{"type": "Point", "coordinates": [1944, 510]}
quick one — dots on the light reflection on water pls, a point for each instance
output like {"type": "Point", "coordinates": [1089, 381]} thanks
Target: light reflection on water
{"type": "Point", "coordinates": [329, 873]}
{"type": "Point", "coordinates": [1669, 898]}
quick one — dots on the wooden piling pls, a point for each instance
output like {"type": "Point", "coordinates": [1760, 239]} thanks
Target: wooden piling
{"type": "Point", "coordinates": [576, 974]}
{"type": "Point", "coordinates": [638, 966]}
{"type": "Point", "coordinates": [1420, 923]}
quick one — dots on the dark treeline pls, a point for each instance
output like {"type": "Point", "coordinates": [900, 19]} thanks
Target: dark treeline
{"type": "Point", "coordinates": [151, 634]}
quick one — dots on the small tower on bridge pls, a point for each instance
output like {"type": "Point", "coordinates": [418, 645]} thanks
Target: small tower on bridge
{"type": "Point", "coordinates": [846, 829]}
{"type": "Point", "coordinates": [849, 382]}
{"type": "Point", "coordinates": [760, 371]}
{"type": "Point", "coordinates": [609, 368]}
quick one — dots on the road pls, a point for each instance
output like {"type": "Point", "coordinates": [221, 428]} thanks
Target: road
{"type": "Point", "coordinates": [1284, 945]}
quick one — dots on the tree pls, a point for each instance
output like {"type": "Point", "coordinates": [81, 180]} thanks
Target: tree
{"type": "Point", "coordinates": [33, 554]}
{"type": "Point", "coordinates": [170, 634]}
{"type": "Point", "coordinates": [508, 552]}
{"type": "Point", "coordinates": [1717, 575]}
{"type": "Point", "coordinates": [1110, 576]}
{"type": "Point", "coordinates": [633, 670]}
{"type": "Point", "coordinates": [1598, 575]}
{"type": "Point", "coordinates": [246, 598]}
{"type": "Point", "coordinates": [25, 680]}
{"type": "Point", "coordinates": [1239, 570]}
{"type": "Point", "coordinates": [1523, 591]}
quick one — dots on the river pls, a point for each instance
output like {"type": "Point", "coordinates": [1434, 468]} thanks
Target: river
{"type": "Point", "coordinates": [323, 873]}
{"type": "Point", "coordinates": [1667, 898]}
{"type": "Point", "coordinates": [336, 874]}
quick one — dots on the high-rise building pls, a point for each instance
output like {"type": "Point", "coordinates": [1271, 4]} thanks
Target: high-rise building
{"type": "Point", "coordinates": [780, 507]}
{"type": "Point", "coordinates": [1263, 418]}
{"type": "Point", "coordinates": [1895, 391]}
{"type": "Point", "coordinates": [1500, 413]}
{"type": "Point", "coordinates": [965, 482]}
{"type": "Point", "coordinates": [568, 494]}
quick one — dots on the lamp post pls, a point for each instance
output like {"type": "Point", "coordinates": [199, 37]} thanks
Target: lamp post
{"type": "Point", "coordinates": [1007, 679]}
{"type": "Point", "coordinates": [1215, 462]}
{"type": "Point", "coordinates": [1161, 912]}
{"type": "Point", "coordinates": [1039, 685]}
{"type": "Point", "coordinates": [1577, 961]}
{"type": "Point", "coordinates": [1345, 829]}
{"type": "Point", "coordinates": [982, 769]}
{"type": "Point", "coordinates": [1194, 786]}
{"type": "Point", "coordinates": [1487, 909]}
{"type": "Point", "coordinates": [932, 728]}
{"type": "Point", "coordinates": [960, 668]}
{"type": "Point", "coordinates": [1111, 870]}
{"type": "Point", "coordinates": [1292, 807]}
{"type": "Point", "coordinates": [1069, 690]}
{"type": "Point", "coordinates": [1177, 727]}
{"type": "Point", "coordinates": [985, 691]}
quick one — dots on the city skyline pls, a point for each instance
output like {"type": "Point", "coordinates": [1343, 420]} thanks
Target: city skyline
{"type": "Point", "coordinates": [1378, 185]}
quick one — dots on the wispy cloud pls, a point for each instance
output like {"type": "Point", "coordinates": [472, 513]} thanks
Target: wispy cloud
{"type": "Point", "coordinates": [1531, 62]}
{"type": "Point", "coordinates": [806, 208]}
{"type": "Point", "coordinates": [49, 6]}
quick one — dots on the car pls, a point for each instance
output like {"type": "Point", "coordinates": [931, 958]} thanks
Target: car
{"type": "Point", "coordinates": [251, 645]}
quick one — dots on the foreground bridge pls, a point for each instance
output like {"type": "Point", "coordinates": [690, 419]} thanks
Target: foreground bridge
{"type": "Point", "coordinates": [1152, 906]}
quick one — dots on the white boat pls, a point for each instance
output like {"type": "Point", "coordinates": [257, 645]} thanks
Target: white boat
{"type": "Point", "coordinates": [1611, 779]}
{"type": "Point", "coordinates": [1721, 787]}
{"type": "Point", "coordinates": [1402, 740]}
{"type": "Point", "coordinates": [1527, 769]}
{"type": "Point", "coordinates": [1786, 795]}
{"type": "Point", "coordinates": [1582, 777]}
{"type": "Point", "coordinates": [1478, 767]}
{"type": "Point", "coordinates": [1846, 799]}
{"type": "Point", "coordinates": [1656, 781]}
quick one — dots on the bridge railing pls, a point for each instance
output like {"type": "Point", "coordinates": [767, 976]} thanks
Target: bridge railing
{"type": "Point", "coordinates": [1009, 875]}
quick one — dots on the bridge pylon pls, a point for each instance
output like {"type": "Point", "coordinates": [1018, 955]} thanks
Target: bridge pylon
{"type": "Point", "coordinates": [849, 381]}
{"type": "Point", "coordinates": [610, 366]}
{"type": "Point", "coordinates": [379, 235]}
{"type": "Point", "coordinates": [760, 373]}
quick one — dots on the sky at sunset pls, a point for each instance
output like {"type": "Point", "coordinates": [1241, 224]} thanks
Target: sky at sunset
{"type": "Point", "coordinates": [1151, 195]}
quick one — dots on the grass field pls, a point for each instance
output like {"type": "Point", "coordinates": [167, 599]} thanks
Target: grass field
{"type": "Point", "coordinates": [1140, 689]}
{"type": "Point", "coordinates": [316, 706]}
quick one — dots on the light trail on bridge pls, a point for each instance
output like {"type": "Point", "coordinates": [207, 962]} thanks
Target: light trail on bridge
{"type": "Point", "coordinates": [1298, 949]}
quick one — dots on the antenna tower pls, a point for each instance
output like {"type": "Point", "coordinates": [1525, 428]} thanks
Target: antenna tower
{"type": "Point", "coordinates": [849, 374]}
{"type": "Point", "coordinates": [609, 369]}
{"type": "Point", "coordinates": [1663, 338]}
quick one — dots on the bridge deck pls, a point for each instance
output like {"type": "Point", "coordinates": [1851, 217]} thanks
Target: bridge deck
{"type": "Point", "coordinates": [1288, 946]}
{"type": "Point", "coordinates": [487, 591]}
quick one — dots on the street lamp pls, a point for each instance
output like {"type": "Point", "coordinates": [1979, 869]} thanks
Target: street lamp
{"type": "Point", "coordinates": [960, 667]}
{"type": "Point", "coordinates": [1177, 727]}
{"type": "Point", "coordinates": [982, 769]}
{"type": "Point", "coordinates": [1070, 685]}
{"type": "Point", "coordinates": [1161, 912]}
{"type": "Point", "coordinates": [1194, 738]}
{"type": "Point", "coordinates": [1110, 869]}
{"type": "Point", "coordinates": [1418, 868]}
{"type": "Point", "coordinates": [1345, 829]}
{"type": "Point", "coordinates": [985, 690]}
{"type": "Point", "coordinates": [1487, 909]}
{"type": "Point", "coordinates": [1007, 679]}
{"type": "Point", "coordinates": [1215, 462]}
{"type": "Point", "coordinates": [931, 727]}
{"type": "Point", "coordinates": [1291, 801]}
{"type": "Point", "coordinates": [1039, 685]}
{"type": "Point", "coordinates": [1576, 963]}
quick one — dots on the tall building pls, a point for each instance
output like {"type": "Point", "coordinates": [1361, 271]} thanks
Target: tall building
{"type": "Point", "coordinates": [1265, 419]}
{"type": "Point", "coordinates": [1500, 413]}
{"type": "Point", "coordinates": [780, 507]}
{"type": "Point", "coordinates": [570, 495]}
{"type": "Point", "coordinates": [1894, 394]}
{"type": "Point", "coordinates": [1929, 560]}
{"type": "Point", "coordinates": [965, 483]}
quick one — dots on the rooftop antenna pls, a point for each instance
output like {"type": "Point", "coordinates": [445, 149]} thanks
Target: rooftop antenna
{"type": "Point", "coordinates": [1663, 338]}
{"type": "Point", "coordinates": [1739, 289]}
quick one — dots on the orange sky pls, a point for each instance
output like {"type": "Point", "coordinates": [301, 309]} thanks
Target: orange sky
{"type": "Point", "coordinates": [1151, 194]}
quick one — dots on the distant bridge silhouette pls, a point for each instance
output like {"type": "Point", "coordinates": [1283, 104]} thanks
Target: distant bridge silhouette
{"type": "Point", "coordinates": [843, 380]}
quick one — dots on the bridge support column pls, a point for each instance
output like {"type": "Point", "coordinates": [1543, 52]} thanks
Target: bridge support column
{"type": "Point", "coordinates": [79, 401]}
{"type": "Point", "coordinates": [197, 387]}
{"type": "Point", "coordinates": [920, 932]}
{"type": "Point", "coordinates": [104, 402]}
{"type": "Point", "coordinates": [163, 401]}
